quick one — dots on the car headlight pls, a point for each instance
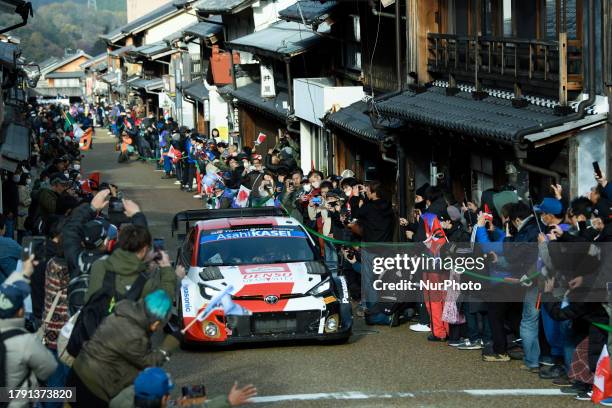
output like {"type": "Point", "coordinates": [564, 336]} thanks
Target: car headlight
{"type": "Point", "coordinates": [210, 329]}
{"type": "Point", "coordinates": [332, 323]}
{"type": "Point", "coordinates": [322, 288]}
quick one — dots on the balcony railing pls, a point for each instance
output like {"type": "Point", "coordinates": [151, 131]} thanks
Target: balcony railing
{"type": "Point", "coordinates": [541, 67]}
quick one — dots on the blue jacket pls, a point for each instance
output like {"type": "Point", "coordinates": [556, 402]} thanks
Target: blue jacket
{"type": "Point", "coordinates": [499, 269]}
{"type": "Point", "coordinates": [188, 148]}
{"type": "Point", "coordinates": [10, 252]}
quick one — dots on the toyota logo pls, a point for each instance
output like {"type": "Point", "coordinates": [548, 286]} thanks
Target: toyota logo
{"type": "Point", "coordinates": [271, 299]}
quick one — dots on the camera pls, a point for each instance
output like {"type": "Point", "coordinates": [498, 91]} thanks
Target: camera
{"type": "Point", "coordinates": [193, 391]}
{"type": "Point", "coordinates": [115, 205]}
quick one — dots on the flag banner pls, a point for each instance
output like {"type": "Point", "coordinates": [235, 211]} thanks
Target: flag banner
{"type": "Point", "coordinates": [242, 198]}
{"type": "Point", "coordinates": [260, 139]}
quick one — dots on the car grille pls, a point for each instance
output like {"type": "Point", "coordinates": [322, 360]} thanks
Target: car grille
{"type": "Point", "coordinates": [303, 322]}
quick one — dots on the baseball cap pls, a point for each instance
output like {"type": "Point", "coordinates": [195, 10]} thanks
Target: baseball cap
{"type": "Point", "coordinates": [603, 210]}
{"type": "Point", "coordinates": [549, 206]}
{"type": "Point", "coordinates": [11, 297]}
{"type": "Point", "coordinates": [58, 178]}
{"type": "Point", "coordinates": [94, 234]}
{"type": "Point", "coordinates": [152, 383]}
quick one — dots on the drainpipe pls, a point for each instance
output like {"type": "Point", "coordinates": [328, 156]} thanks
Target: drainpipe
{"type": "Point", "coordinates": [398, 45]}
{"type": "Point", "coordinates": [520, 147]}
{"type": "Point", "coordinates": [289, 86]}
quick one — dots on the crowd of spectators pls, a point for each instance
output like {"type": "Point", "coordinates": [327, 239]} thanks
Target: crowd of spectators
{"type": "Point", "coordinates": [542, 260]}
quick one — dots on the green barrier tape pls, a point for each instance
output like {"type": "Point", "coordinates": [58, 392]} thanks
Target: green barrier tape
{"type": "Point", "coordinates": [603, 326]}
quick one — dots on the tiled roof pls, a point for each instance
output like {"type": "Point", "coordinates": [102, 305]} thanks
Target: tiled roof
{"type": "Point", "coordinates": [354, 119]}
{"type": "Point", "coordinates": [141, 22]}
{"type": "Point", "coordinates": [250, 95]}
{"type": "Point", "coordinates": [151, 50]}
{"type": "Point", "coordinates": [313, 11]}
{"type": "Point", "coordinates": [222, 6]}
{"type": "Point", "coordinates": [285, 39]}
{"type": "Point", "coordinates": [492, 118]}
{"type": "Point", "coordinates": [146, 84]}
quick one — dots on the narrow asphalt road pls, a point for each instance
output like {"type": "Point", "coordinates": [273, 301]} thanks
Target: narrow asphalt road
{"type": "Point", "coordinates": [378, 367]}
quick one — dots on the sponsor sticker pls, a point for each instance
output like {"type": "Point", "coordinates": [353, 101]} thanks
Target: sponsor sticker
{"type": "Point", "coordinates": [272, 233]}
{"type": "Point", "coordinates": [186, 300]}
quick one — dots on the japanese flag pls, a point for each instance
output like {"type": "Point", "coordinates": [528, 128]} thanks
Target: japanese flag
{"type": "Point", "coordinates": [602, 382]}
{"type": "Point", "coordinates": [260, 138]}
{"type": "Point", "coordinates": [242, 198]}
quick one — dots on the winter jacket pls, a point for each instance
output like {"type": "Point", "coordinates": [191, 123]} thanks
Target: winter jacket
{"type": "Point", "coordinates": [521, 250]}
{"type": "Point", "coordinates": [119, 349]}
{"type": "Point", "coordinates": [25, 199]}
{"type": "Point", "coordinates": [127, 268]}
{"type": "Point", "coordinates": [377, 219]}
{"type": "Point", "coordinates": [76, 256]}
{"type": "Point", "coordinates": [28, 362]}
{"type": "Point", "coordinates": [10, 253]}
{"type": "Point", "coordinates": [47, 202]}
{"type": "Point", "coordinates": [125, 399]}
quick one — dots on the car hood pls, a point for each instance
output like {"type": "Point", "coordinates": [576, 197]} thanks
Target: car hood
{"type": "Point", "coordinates": [263, 279]}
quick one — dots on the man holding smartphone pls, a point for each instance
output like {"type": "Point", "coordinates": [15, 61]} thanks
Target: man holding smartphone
{"type": "Point", "coordinates": [10, 252]}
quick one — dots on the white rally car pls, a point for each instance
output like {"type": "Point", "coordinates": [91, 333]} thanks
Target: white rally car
{"type": "Point", "coordinates": [256, 275]}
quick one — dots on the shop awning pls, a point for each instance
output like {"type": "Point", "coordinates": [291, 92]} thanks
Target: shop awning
{"type": "Point", "coordinates": [250, 96]}
{"type": "Point", "coordinates": [354, 119]}
{"type": "Point", "coordinates": [146, 84]}
{"type": "Point", "coordinates": [153, 50]}
{"type": "Point", "coordinates": [16, 146]}
{"type": "Point", "coordinates": [196, 90]}
{"type": "Point", "coordinates": [491, 118]}
{"type": "Point", "coordinates": [280, 40]}
{"type": "Point", "coordinates": [313, 11]}
{"type": "Point", "coordinates": [120, 52]}
{"type": "Point", "coordinates": [64, 75]}
{"type": "Point", "coordinates": [205, 29]}
{"type": "Point", "coordinates": [222, 6]}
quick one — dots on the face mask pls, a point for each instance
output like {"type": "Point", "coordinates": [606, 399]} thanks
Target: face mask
{"type": "Point", "coordinates": [307, 187]}
{"type": "Point", "coordinates": [67, 174]}
{"type": "Point", "coordinates": [77, 167]}
{"type": "Point", "coordinates": [28, 182]}
{"type": "Point", "coordinates": [16, 179]}
{"type": "Point", "coordinates": [348, 192]}
{"type": "Point", "coordinates": [542, 220]}
{"type": "Point", "coordinates": [316, 184]}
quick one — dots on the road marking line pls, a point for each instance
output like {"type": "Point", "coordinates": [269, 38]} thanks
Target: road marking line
{"type": "Point", "coordinates": [517, 391]}
{"type": "Point", "coordinates": [358, 395]}
{"type": "Point", "coordinates": [349, 395]}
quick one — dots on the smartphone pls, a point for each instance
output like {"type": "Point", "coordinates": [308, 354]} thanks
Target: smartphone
{"type": "Point", "coordinates": [30, 245]}
{"type": "Point", "coordinates": [316, 200]}
{"type": "Point", "coordinates": [597, 169]}
{"type": "Point", "coordinates": [159, 244]}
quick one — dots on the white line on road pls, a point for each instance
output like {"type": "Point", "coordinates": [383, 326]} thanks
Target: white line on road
{"type": "Point", "coordinates": [529, 392]}
{"type": "Point", "coordinates": [349, 395]}
{"type": "Point", "coordinates": [358, 395]}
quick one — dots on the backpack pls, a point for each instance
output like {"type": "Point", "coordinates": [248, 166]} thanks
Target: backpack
{"type": "Point", "coordinates": [4, 336]}
{"type": "Point", "coordinates": [100, 305]}
{"type": "Point", "coordinates": [78, 286]}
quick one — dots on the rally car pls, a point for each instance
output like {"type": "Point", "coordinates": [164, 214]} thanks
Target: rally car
{"type": "Point", "coordinates": [256, 275]}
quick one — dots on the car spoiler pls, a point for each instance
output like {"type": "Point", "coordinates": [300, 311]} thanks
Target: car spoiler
{"type": "Point", "coordinates": [203, 215]}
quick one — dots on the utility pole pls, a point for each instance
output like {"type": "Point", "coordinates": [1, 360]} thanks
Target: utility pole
{"type": "Point", "coordinates": [92, 4]}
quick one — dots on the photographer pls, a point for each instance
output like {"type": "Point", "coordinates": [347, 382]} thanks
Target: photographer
{"type": "Point", "coordinates": [86, 240]}
{"type": "Point", "coordinates": [152, 388]}
{"type": "Point", "coordinates": [129, 260]}
{"type": "Point", "coordinates": [120, 348]}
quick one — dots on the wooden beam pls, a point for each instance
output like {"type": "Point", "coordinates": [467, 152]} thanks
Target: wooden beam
{"type": "Point", "coordinates": [563, 69]}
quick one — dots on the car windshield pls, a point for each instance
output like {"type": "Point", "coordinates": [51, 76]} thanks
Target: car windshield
{"type": "Point", "coordinates": [250, 246]}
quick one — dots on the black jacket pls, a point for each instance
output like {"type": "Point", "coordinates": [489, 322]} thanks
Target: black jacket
{"type": "Point", "coordinates": [377, 219]}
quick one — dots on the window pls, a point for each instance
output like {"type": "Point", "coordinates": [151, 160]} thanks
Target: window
{"type": "Point", "coordinates": [482, 174]}
{"type": "Point", "coordinates": [352, 47]}
{"type": "Point", "coordinates": [66, 83]}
